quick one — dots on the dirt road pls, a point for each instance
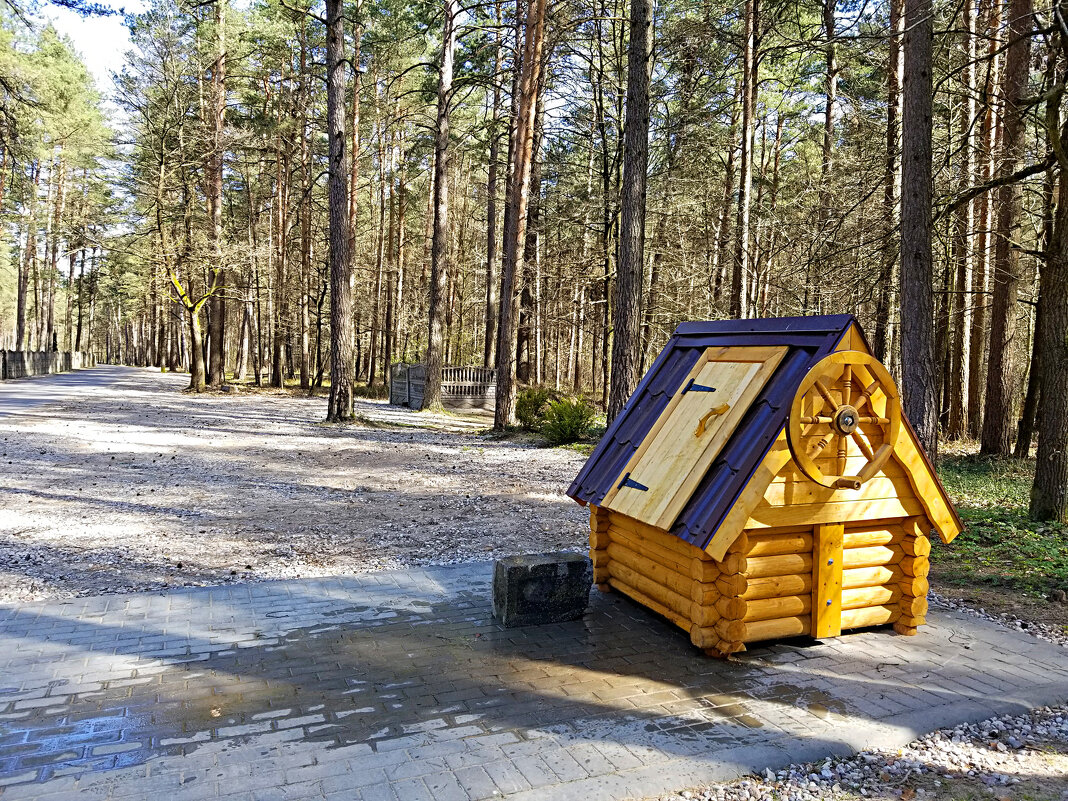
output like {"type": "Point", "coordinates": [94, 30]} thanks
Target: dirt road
{"type": "Point", "coordinates": [114, 480]}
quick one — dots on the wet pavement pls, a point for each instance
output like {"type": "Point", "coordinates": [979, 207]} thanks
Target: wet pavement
{"type": "Point", "coordinates": [399, 685]}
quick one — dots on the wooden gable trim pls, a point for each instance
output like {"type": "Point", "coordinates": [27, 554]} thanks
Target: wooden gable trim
{"type": "Point", "coordinates": [734, 523]}
{"type": "Point", "coordinates": [908, 453]}
{"type": "Point", "coordinates": [929, 490]}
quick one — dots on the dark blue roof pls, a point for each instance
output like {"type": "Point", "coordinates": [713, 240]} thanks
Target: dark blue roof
{"type": "Point", "coordinates": [809, 339]}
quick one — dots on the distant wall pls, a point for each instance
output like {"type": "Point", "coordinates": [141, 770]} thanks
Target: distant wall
{"type": "Point", "coordinates": [25, 363]}
{"type": "Point", "coordinates": [461, 387]}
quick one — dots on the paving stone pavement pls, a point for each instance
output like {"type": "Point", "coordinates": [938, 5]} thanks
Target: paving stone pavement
{"type": "Point", "coordinates": [400, 686]}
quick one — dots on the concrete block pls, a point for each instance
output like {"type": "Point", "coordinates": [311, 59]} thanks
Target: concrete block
{"type": "Point", "coordinates": [542, 588]}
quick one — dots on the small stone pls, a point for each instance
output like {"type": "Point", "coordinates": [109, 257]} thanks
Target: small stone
{"type": "Point", "coordinates": [542, 588]}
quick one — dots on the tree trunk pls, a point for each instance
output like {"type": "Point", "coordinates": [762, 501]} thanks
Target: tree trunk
{"type": "Point", "coordinates": [750, 68]}
{"type": "Point", "coordinates": [196, 343]}
{"type": "Point", "coordinates": [516, 217]}
{"type": "Point", "coordinates": [816, 281]}
{"type": "Point", "coordinates": [24, 270]}
{"type": "Point", "coordinates": [491, 202]}
{"type": "Point", "coordinates": [243, 339]}
{"type": "Point", "coordinates": [1025, 432]}
{"type": "Point", "coordinates": [81, 304]}
{"type": "Point", "coordinates": [214, 175]}
{"type": "Point", "coordinates": [381, 235]}
{"type": "Point", "coordinates": [980, 273]}
{"type": "Point", "coordinates": [1049, 494]}
{"type": "Point", "coordinates": [957, 389]}
{"type": "Point", "coordinates": [626, 300]}
{"type": "Point", "coordinates": [1002, 377]}
{"type": "Point", "coordinates": [281, 267]}
{"type": "Point", "coordinates": [919, 371]}
{"type": "Point", "coordinates": [439, 244]}
{"type": "Point", "coordinates": [526, 333]}
{"type": "Point", "coordinates": [892, 183]}
{"type": "Point", "coordinates": [354, 149]}
{"type": "Point", "coordinates": [339, 407]}
{"type": "Point", "coordinates": [305, 211]}
{"type": "Point", "coordinates": [723, 232]}
{"type": "Point", "coordinates": [55, 233]}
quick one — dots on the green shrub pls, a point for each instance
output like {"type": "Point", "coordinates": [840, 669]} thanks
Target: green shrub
{"type": "Point", "coordinates": [531, 407]}
{"type": "Point", "coordinates": [568, 420]}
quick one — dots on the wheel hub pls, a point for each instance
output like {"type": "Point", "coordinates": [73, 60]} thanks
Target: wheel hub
{"type": "Point", "coordinates": [846, 419]}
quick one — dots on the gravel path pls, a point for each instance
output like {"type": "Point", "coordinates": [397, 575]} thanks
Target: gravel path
{"type": "Point", "coordinates": [1008, 758]}
{"type": "Point", "coordinates": [125, 483]}
{"type": "Point", "coordinates": [1022, 757]}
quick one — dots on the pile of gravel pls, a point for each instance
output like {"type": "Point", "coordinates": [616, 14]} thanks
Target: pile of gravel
{"type": "Point", "coordinates": [987, 753]}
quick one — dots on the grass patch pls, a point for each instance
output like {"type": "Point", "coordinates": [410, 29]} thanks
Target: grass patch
{"type": "Point", "coordinates": [1001, 546]}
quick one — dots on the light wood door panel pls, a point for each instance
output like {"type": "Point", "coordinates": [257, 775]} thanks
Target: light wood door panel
{"type": "Point", "coordinates": [673, 458]}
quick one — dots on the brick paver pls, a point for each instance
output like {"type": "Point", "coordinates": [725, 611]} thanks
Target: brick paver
{"type": "Point", "coordinates": [400, 686]}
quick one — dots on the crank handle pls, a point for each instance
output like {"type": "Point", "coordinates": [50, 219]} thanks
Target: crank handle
{"type": "Point", "coordinates": [702, 424]}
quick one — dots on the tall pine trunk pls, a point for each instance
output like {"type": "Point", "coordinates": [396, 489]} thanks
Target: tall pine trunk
{"type": "Point", "coordinates": [980, 273]}
{"type": "Point", "coordinates": [960, 344]}
{"type": "Point", "coordinates": [342, 369]}
{"type": "Point", "coordinates": [750, 67]}
{"type": "Point", "coordinates": [214, 174]}
{"type": "Point", "coordinates": [1002, 378]}
{"type": "Point", "coordinates": [439, 247]}
{"type": "Point", "coordinates": [1049, 493]}
{"type": "Point", "coordinates": [491, 200]}
{"type": "Point", "coordinates": [919, 372]}
{"type": "Point", "coordinates": [516, 216]}
{"type": "Point", "coordinates": [626, 300]}
{"type": "Point", "coordinates": [892, 183]}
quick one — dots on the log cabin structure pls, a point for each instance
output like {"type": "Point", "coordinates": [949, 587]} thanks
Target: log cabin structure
{"type": "Point", "coordinates": [763, 483]}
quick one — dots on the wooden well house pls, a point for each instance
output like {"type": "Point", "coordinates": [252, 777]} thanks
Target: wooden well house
{"type": "Point", "coordinates": [762, 483]}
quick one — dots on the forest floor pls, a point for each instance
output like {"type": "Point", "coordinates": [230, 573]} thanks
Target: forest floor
{"type": "Point", "coordinates": [1004, 564]}
{"type": "Point", "coordinates": [130, 484]}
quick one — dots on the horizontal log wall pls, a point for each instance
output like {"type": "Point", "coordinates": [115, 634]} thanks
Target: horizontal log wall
{"type": "Point", "coordinates": [778, 594]}
{"type": "Point", "coordinates": [763, 589]}
{"type": "Point", "coordinates": [872, 576]}
{"type": "Point", "coordinates": [878, 580]}
{"type": "Point", "coordinates": [660, 571]}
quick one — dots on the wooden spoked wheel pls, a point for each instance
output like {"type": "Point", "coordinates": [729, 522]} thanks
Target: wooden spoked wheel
{"type": "Point", "coordinates": [844, 421]}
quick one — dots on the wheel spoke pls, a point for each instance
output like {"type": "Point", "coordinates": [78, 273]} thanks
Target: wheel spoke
{"type": "Point", "coordinates": [881, 421]}
{"type": "Point", "coordinates": [841, 454]}
{"type": "Point", "coordinates": [862, 445]}
{"type": "Point", "coordinates": [820, 418]}
{"type": "Point", "coordinates": [826, 393]}
{"type": "Point", "coordinates": [821, 446]}
{"type": "Point", "coordinates": [847, 385]}
{"type": "Point", "coordinates": [865, 396]}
